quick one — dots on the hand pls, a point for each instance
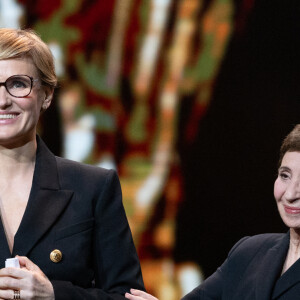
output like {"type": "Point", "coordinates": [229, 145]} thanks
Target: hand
{"type": "Point", "coordinates": [29, 280]}
{"type": "Point", "coordinates": [139, 295]}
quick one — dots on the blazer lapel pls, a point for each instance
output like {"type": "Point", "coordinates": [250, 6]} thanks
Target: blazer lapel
{"type": "Point", "coordinates": [46, 202]}
{"type": "Point", "coordinates": [4, 249]}
{"type": "Point", "coordinates": [287, 280]}
{"type": "Point", "coordinates": [269, 271]}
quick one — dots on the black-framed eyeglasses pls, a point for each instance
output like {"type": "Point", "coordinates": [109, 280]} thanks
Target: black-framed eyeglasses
{"type": "Point", "coordinates": [18, 85]}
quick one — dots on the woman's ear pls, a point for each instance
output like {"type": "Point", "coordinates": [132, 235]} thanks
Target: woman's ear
{"type": "Point", "coordinates": [48, 97]}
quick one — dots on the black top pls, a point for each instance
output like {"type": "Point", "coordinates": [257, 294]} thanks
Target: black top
{"type": "Point", "coordinates": [77, 209]}
{"type": "Point", "coordinates": [251, 272]}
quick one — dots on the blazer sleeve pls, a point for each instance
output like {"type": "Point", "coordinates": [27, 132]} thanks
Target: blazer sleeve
{"type": "Point", "coordinates": [212, 287]}
{"type": "Point", "coordinates": [116, 264]}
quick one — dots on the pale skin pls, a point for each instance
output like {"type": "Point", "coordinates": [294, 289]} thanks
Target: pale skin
{"type": "Point", "coordinates": [139, 295]}
{"type": "Point", "coordinates": [287, 196]}
{"type": "Point", "coordinates": [17, 156]}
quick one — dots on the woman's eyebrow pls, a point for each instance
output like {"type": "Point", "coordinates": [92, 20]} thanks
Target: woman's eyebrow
{"type": "Point", "coordinates": [284, 168]}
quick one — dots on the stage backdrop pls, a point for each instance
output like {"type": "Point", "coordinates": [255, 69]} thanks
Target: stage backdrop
{"type": "Point", "coordinates": [188, 100]}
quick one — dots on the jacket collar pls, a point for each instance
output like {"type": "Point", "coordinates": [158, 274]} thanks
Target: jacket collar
{"type": "Point", "coordinates": [269, 271]}
{"type": "Point", "coordinates": [287, 280]}
{"type": "Point", "coordinates": [46, 203]}
{"type": "Point", "coordinates": [45, 173]}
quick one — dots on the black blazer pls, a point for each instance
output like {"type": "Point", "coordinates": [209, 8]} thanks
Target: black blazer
{"type": "Point", "coordinates": [78, 210]}
{"type": "Point", "coordinates": [252, 272]}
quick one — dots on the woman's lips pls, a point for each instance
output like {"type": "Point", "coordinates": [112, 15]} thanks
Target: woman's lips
{"type": "Point", "coordinates": [292, 210]}
{"type": "Point", "coordinates": [8, 118]}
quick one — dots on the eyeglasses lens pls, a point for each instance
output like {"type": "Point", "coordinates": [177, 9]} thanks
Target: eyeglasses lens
{"type": "Point", "coordinates": [19, 86]}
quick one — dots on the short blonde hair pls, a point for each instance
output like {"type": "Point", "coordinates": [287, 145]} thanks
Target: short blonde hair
{"type": "Point", "coordinates": [21, 43]}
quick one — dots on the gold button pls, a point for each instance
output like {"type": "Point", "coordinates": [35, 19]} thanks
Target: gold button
{"type": "Point", "coordinates": [56, 256]}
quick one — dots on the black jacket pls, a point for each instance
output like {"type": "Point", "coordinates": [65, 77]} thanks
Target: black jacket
{"type": "Point", "coordinates": [252, 272]}
{"type": "Point", "coordinates": [78, 210]}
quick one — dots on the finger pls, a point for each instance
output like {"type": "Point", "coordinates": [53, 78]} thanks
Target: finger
{"type": "Point", "coordinates": [9, 283]}
{"type": "Point", "coordinates": [142, 294]}
{"type": "Point", "coordinates": [6, 294]}
{"type": "Point", "coordinates": [11, 272]}
{"type": "Point", "coordinates": [132, 297]}
{"type": "Point", "coordinates": [27, 263]}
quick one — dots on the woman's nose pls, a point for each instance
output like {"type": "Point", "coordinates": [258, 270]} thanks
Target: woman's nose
{"type": "Point", "coordinates": [5, 100]}
{"type": "Point", "coordinates": [292, 192]}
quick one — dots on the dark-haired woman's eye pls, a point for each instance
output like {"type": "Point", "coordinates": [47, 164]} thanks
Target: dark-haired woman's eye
{"type": "Point", "coordinates": [284, 175]}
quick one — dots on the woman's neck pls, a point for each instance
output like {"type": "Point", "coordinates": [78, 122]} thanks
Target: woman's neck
{"type": "Point", "coordinates": [295, 241]}
{"type": "Point", "coordinates": [294, 250]}
{"type": "Point", "coordinates": [17, 160]}
{"type": "Point", "coordinates": [16, 174]}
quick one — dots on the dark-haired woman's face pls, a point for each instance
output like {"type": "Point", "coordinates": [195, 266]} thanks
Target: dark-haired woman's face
{"type": "Point", "coordinates": [19, 116]}
{"type": "Point", "coordinates": [287, 189]}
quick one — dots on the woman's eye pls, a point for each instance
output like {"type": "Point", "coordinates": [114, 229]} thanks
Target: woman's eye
{"type": "Point", "coordinates": [18, 84]}
{"type": "Point", "coordinates": [284, 176]}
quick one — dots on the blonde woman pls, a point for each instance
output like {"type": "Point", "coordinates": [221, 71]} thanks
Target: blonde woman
{"type": "Point", "coordinates": [62, 220]}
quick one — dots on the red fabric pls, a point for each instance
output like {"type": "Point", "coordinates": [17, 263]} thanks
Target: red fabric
{"type": "Point", "coordinates": [94, 20]}
{"type": "Point", "coordinates": [39, 9]}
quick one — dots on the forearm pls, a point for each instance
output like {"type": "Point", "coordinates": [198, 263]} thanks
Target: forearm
{"type": "Point", "coordinates": [64, 290]}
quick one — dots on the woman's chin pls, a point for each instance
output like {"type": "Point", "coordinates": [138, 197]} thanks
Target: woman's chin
{"type": "Point", "coordinates": [293, 225]}
{"type": "Point", "coordinates": [12, 141]}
